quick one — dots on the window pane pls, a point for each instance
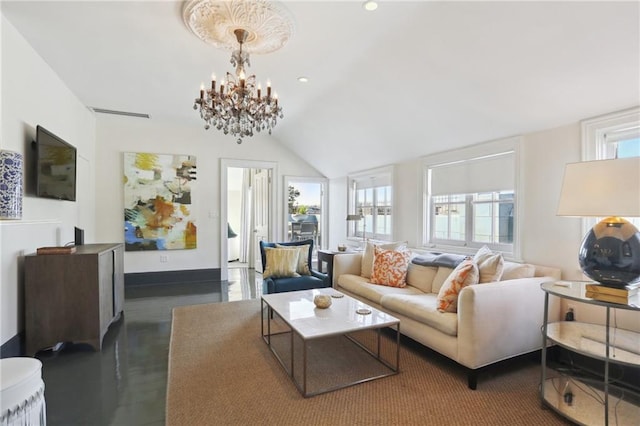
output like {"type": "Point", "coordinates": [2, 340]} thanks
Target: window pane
{"type": "Point", "coordinates": [493, 221]}
{"type": "Point", "coordinates": [505, 195]}
{"type": "Point", "coordinates": [458, 222]}
{"type": "Point", "coordinates": [629, 148]}
{"type": "Point", "coordinates": [374, 204]}
{"type": "Point", "coordinates": [505, 223]}
{"type": "Point", "coordinates": [441, 227]}
{"type": "Point", "coordinates": [482, 229]}
{"type": "Point", "coordinates": [483, 210]}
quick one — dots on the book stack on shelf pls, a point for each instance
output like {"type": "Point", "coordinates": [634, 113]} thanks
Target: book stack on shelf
{"type": "Point", "coordinates": [627, 295]}
{"type": "Point", "coordinates": [56, 250]}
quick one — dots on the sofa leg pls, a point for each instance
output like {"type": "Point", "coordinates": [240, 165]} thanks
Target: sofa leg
{"type": "Point", "coordinates": [472, 379]}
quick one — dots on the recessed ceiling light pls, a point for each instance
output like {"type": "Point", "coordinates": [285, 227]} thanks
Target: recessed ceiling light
{"type": "Point", "coordinates": [303, 79]}
{"type": "Point", "coordinates": [370, 5]}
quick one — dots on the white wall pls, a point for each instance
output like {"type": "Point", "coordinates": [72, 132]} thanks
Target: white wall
{"type": "Point", "coordinates": [117, 134]}
{"type": "Point", "coordinates": [548, 239]}
{"type": "Point", "coordinates": [32, 94]}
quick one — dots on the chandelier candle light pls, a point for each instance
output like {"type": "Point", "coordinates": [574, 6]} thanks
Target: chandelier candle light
{"type": "Point", "coordinates": [238, 106]}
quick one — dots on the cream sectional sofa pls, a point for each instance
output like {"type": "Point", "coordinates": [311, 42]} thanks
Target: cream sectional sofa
{"type": "Point", "coordinates": [494, 321]}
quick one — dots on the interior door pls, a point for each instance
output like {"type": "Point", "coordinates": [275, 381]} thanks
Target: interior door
{"type": "Point", "coordinates": [261, 211]}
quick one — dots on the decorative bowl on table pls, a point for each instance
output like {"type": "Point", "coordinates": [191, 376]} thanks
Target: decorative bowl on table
{"type": "Point", "coordinates": [322, 301]}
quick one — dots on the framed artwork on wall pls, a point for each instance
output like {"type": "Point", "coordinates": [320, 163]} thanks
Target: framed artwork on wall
{"type": "Point", "coordinates": [158, 202]}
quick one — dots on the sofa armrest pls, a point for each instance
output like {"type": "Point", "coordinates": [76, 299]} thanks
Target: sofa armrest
{"type": "Point", "coordinates": [500, 320]}
{"type": "Point", "coordinates": [268, 286]}
{"type": "Point", "coordinates": [322, 276]}
{"type": "Point", "coordinates": [346, 263]}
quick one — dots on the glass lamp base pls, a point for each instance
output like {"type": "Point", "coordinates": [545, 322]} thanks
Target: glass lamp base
{"type": "Point", "coordinates": [610, 252]}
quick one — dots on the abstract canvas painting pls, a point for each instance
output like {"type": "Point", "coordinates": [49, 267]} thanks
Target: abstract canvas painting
{"type": "Point", "coordinates": [158, 209]}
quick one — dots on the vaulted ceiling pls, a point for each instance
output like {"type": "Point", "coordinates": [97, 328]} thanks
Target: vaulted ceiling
{"type": "Point", "coordinates": [406, 80]}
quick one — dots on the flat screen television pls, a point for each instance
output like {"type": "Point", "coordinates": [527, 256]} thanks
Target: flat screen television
{"type": "Point", "coordinates": [56, 166]}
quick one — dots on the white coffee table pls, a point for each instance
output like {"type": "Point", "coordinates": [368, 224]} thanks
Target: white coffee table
{"type": "Point", "coordinates": [345, 317]}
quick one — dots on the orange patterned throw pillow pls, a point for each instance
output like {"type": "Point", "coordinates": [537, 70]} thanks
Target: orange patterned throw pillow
{"type": "Point", "coordinates": [390, 267]}
{"type": "Point", "coordinates": [465, 274]}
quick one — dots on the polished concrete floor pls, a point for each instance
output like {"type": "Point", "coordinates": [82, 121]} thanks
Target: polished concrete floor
{"type": "Point", "coordinates": [125, 383]}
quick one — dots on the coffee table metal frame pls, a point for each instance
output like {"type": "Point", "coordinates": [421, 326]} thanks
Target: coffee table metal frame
{"type": "Point", "coordinates": [310, 328]}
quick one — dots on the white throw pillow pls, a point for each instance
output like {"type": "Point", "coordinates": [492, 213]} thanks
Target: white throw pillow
{"type": "Point", "coordinates": [490, 265]}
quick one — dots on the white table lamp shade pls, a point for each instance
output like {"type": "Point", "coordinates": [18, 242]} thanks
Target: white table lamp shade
{"type": "Point", "coordinates": [601, 188]}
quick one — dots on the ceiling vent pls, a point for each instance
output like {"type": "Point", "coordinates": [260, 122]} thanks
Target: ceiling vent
{"type": "Point", "coordinates": [114, 112]}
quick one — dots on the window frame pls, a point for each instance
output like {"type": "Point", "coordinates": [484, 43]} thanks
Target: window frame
{"type": "Point", "coordinates": [492, 148]}
{"type": "Point", "coordinates": [595, 145]}
{"type": "Point", "coordinates": [384, 174]}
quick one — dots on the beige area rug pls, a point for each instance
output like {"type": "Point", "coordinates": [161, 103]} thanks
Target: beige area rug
{"type": "Point", "coordinates": [222, 373]}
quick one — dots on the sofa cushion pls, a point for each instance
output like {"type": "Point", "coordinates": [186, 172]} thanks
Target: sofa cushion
{"type": "Point", "coordinates": [420, 276]}
{"type": "Point", "coordinates": [464, 275]}
{"type": "Point", "coordinates": [303, 251]}
{"type": "Point", "coordinates": [280, 285]}
{"type": "Point", "coordinates": [390, 267]}
{"type": "Point", "coordinates": [367, 257]}
{"type": "Point", "coordinates": [361, 287]}
{"type": "Point", "coordinates": [280, 263]}
{"type": "Point", "coordinates": [441, 276]}
{"type": "Point", "coordinates": [490, 265]}
{"type": "Point", "coordinates": [513, 270]}
{"type": "Point", "coordinates": [422, 308]}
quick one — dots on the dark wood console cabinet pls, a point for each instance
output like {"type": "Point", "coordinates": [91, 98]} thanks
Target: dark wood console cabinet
{"type": "Point", "coordinates": [73, 297]}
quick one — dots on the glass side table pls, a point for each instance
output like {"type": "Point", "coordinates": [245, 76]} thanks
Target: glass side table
{"type": "Point", "coordinates": [583, 400]}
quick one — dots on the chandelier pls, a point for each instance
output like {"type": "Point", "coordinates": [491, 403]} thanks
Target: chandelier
{"type": "Point", "coordinates": [238, 106]}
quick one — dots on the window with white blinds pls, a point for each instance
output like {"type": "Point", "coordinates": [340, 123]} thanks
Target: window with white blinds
{"type": "Point", "coordinates": [470, 198]}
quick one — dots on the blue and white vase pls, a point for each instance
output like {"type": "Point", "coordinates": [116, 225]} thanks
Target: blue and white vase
{"type": "Point", "coordinates": [11, 164]}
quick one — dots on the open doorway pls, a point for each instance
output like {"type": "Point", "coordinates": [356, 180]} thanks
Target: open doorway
{"type": "Point", "coordinates": [246, 217]}
{"type": "Point", "coordinates": [306, 208]}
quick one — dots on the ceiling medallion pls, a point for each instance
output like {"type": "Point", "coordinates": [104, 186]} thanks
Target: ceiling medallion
{"type": "Point", "coordinates": [268, 25]}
